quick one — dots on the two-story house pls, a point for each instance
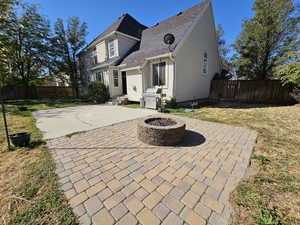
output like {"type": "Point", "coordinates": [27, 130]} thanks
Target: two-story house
{"type": "Point", "coordinates": [100, 59]}
{"type": "Point", "coordinates": [133, 60]}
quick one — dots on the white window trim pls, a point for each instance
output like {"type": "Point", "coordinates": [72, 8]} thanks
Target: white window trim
{"type": "Point", "coordinates": [102, 76]}
{"type": "Point", "coordinates": [203, 64]}
{"type": "Point", "coordinates": [94, 57]}
{"type": "Point", "coordinates": [115, 79]}
{"type": "Point", "coordinates": [166, 73]}
{"type": "Point", "coordinates": [115, 48]}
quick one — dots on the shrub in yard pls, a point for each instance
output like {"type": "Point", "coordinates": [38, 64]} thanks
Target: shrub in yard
{"type": "Point", "coordinates": [98, 92]}
{"type": "Point", "coordinates": [171, 103]}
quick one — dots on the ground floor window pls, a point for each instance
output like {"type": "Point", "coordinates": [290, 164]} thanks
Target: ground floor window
{"type": "Point", "coordinates": [100, 76]}
{"type": "Point", "coordinates": [159, 74]}
{"type": "Point", "coordinates": [116, 78]}
{"type": "Point", "coordinates": [205, 63]}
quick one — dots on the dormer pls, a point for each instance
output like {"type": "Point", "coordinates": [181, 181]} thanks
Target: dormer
{"type": "Point", "coordinates": [112, 47]}
{"type": "Point", "coordinates": [101, 52]}
{"type": "Point", "coordinates": [115, 42]}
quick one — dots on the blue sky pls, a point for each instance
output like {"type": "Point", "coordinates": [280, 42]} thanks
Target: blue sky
{"type": "Point", "coordinates": [99, 14]}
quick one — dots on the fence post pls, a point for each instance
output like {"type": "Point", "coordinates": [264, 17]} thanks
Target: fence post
{"type": "Point", "coordinates": [5, 124]}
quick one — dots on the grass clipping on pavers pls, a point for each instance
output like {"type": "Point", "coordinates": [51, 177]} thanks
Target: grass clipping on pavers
{"type": "Point", "coordinates": [29, 189]}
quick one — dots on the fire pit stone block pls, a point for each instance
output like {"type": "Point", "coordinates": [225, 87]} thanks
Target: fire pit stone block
{"type": "Point", "coordinates": [161, 131]}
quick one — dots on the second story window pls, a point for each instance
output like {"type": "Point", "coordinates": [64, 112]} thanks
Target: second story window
{"type": "Point", "coordinates": [94, 56]}
{"type": "Point", "coordinates": [112, 48]}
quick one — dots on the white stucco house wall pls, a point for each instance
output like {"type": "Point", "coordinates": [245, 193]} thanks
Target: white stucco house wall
{"type": "Point", "coordinates": [133, 60]}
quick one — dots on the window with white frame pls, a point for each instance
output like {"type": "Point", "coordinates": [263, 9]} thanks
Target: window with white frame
{"type": "Point", "coordinates": [94, 56]}
{"type": "Point", "coordinates": [205, 63]}
{"type": "Point", "coordinates": [159, 74]}
{"type": "Point", "coordinates": [116, 78]}
{"type": "Point", "coordinates": [100, 76]}
{"type": "Point", "coordinates": [112, 48]}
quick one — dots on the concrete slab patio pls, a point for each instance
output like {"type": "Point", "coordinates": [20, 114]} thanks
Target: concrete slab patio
{"type": "Point", "coordinates": [109, 177]}
{"type": "Point", "coordinates": [62, 121]}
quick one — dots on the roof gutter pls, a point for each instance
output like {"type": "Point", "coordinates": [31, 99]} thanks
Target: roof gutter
{"type": "Point", "coordinates": [122, 65]}
{"type": "Point", "coordinates": [126, 35]}
{"type": "Point", "coordinates": [167, 55]}
{"type": "Point", "coordinates": [159, 56]}
{"type": "Point", "coordinates": [100, 66]}
{"type": "Point", "coordinates": [131, 68]}
{"type": "Point", "coordinates": [96, 41]}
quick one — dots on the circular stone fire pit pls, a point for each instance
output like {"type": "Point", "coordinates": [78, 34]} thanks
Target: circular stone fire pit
{"type": "Point", "coordinates": [161, 131]}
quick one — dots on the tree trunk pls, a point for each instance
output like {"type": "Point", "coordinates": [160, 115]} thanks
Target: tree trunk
{"type": "Point", "coordinates": [77, 92]}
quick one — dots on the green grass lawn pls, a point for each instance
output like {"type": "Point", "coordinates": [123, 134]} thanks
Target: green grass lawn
{"type": "Point", "coordinates": [132, 106]}
{"type": "Point", "coordinates": [272, 195]}
{"type": "Point", "coordinates": [43, 104]}
{"type": "Point", "coordinates": [29, 190]}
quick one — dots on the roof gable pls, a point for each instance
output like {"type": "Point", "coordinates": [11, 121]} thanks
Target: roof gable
{"type": "Point", "coordinates": [125, 24]}
{"type": "Point", "coordinates": [152, 38]}
{"type": "Point", "coordinates": [131, 26]}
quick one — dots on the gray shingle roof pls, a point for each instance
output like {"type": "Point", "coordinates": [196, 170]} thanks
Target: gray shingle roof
{"type": "Point", "coordinates": [152, 38]}
{"type": "Point", "coordinates": [108, 62]}
{"type": "Point", "coordinates": [125, 24]}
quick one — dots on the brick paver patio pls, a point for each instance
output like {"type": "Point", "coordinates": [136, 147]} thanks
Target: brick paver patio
{"type": "Point", "coordinates": [109, 177]}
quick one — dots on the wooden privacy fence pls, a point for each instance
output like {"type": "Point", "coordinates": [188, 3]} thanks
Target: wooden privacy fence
{"type": "Point", "coordinates": [16, 92]}
{"type": "Point", "coordinates": [256, 91]}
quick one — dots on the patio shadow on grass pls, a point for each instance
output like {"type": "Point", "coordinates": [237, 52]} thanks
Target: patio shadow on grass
{"type": "Point", "coordinates": [192, 138]}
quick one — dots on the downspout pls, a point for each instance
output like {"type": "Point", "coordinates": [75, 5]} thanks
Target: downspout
{"type": "Point", "coordinates": [143, 81]}
{"type": "Point", "coordinates": [110, 80]}
{"type": "Point", "coordinates": [172, 57]}
{"type": "Point", "coordinates": [141, 70]}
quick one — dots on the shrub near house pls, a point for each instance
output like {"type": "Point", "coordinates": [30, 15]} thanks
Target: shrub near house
{"type": "Point", "coordinates": [98, 92]}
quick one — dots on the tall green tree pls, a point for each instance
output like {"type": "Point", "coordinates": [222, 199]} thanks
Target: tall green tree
{"type": "Point", "coordinates": [223, 48]}
{"type": "Point", "coordinates": [269, 35]}
{"type": "Point", "coordinates": [7, 12]}
{"type": "Point", "coordinates": [27, 44]}
{"type": "Point", "coordinates": [66, 44]}
{"type": "Point", "coordinates": [289, 71]}
{"type": "Point", "coordinates": [223, 52]}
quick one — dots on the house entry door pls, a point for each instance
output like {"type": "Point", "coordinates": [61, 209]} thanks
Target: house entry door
{"type": "Point", "coordinates": [124, 83]}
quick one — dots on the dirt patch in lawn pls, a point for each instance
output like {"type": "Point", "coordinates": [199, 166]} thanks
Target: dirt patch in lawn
{"type": "Point", "coordinates": [29, 191]}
